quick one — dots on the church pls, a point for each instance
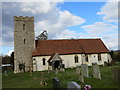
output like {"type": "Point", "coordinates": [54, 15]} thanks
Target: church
{"type": "Point", "coordinates": [43, 54]}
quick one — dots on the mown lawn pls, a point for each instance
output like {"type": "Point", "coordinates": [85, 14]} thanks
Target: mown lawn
{"type": "Point", "coordinates": [24, 80]}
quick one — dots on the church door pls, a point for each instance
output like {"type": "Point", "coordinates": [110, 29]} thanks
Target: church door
{"type": "Point", "coordinates": [56, 64]}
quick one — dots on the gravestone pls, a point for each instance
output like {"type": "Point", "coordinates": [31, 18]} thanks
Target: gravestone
{"type": "Point", "coordinates": [77, 71]}
{"type": "Point", "coordinates": [96, 72]}
{"type": "Point", "coordinates": [41, 78]}
{"type": "Point", "coordinates": [73, 86]}
{"type": "Point", "coordinates": [84, 70]}
{"type": "Point", "coordinates": [30, 71]}
{"type": "Point", "coordinates": [56, 84]}
{"type": "Point", "coordinates": [81, 78]}
{"type": "Point", "coordinates": [48, 69]}
{"type": "Point", "coordinates": [62, 68]}
{"type": "Point", "coordinates": [116, 74]}
{"type": "Point", "coordinates": [56, 71]}
{"type": "Point", "coordinates": [6, 73]}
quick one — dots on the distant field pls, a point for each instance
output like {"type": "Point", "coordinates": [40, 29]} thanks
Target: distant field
{"type": "Point", "coordinates": [24, 80]}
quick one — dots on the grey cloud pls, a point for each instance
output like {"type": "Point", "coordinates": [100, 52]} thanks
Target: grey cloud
{"type": "Point", "coordinates": [51, 19]}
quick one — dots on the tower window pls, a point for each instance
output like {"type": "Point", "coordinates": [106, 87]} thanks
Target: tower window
{"type": "Point", "coordinates": [43, 61]}
{"type": "Point", "coordinates": [99, 57]}
{"type": "Point", "coordinates": [23, 26]}
{"type": "Point", "coordinates": [24, 41]}
{"type": "Point", "coordinates": [76, 59]}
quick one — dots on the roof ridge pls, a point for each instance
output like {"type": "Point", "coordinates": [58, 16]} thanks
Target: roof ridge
{"type": "Point", "coordinates": [69, 39]}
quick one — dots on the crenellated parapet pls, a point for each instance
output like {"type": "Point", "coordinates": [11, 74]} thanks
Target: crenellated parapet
{"type": "Point", "coordinates": [26, 18]}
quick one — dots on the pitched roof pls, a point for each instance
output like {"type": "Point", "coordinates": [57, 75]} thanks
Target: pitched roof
{"type": "Point", "coordinates": [69, 46]}
{"type": "Point", "coordinates": [54, 57]}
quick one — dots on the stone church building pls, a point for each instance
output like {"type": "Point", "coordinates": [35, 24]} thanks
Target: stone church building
{"type": "Point", "coordinates": [43, 54]}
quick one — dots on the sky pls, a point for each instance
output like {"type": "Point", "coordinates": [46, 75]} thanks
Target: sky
{"type": "Point", "coordinates": [63, 20]}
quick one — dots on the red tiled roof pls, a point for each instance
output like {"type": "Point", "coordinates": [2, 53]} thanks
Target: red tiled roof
{"type": "Point", "coordinates": [69, 46]}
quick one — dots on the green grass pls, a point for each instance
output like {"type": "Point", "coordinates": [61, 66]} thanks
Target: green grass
{"type": "Point", "coordinates": [24, 80]}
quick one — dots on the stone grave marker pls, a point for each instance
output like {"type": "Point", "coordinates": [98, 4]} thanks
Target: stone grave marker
{"type": "Point", "coordinates": [96, 72]}
{"type": "Point", "coordinates": [116, 74]}
{"type": "Point", "coordinates": [48, 69]}
{"type": "Point", "coordinates": [84, 70]}
{"type": "Point", "coordinates": [73, 86]}
{"type": "Point", "coordinates": [62, 69]}
{"type": "Point", "coordinates": [56, 84]}
{"type": "Point", "coordinates": [6, 73]}
{"type": "Point", "coordinates": [77, 70]}
{"type": "Point", "coordinates": [41, 78]}
{"type": "Point", "coordinates": [56, 71]}
{"type": "Point", "coordinates": [81, 78]}
{"type": "Point", "coordinates": [30, 71]}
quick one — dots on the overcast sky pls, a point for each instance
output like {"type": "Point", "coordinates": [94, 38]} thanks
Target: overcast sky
{"type": "Point", "coordinates": [63, 20]}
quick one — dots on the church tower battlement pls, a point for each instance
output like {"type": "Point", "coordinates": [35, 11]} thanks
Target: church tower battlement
{"type": "Point", "coordinates": [24, 42]}
{"type": "Point", "coordinates": [21, 18]}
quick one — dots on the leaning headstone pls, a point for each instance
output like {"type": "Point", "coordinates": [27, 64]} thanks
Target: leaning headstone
{"type": "Point", "coordinates": [84, 70]}
{"type": "Point", "coordinates": [96, 72]}
{"type": "Point", "coordinates": [81, 78]}
{"type": "Point", "coordinates": [56, 84]}
{"type": "Point", "coordinates": [73, 86]}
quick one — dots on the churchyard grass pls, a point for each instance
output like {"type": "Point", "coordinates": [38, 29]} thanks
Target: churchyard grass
{"type": "Point", "coordinates": [24, 80]}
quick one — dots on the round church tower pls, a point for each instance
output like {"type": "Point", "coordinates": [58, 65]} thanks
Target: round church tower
{"type": "Point", "coordinates": [24, 43]}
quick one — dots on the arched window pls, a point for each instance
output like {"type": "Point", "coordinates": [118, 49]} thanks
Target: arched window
{"type": "Point", "coordinates": [43, 61]}
{"type": "Point", "coordinates": [86, 57]}
{"type": "Point", "coordinates": [24, 41]}
{"type": "Point", "coordinates": [76, 59]}
{"type": "Point", "coordinates": [23, 26]}
{"type": "Point", "coordinates": [99, 57]}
